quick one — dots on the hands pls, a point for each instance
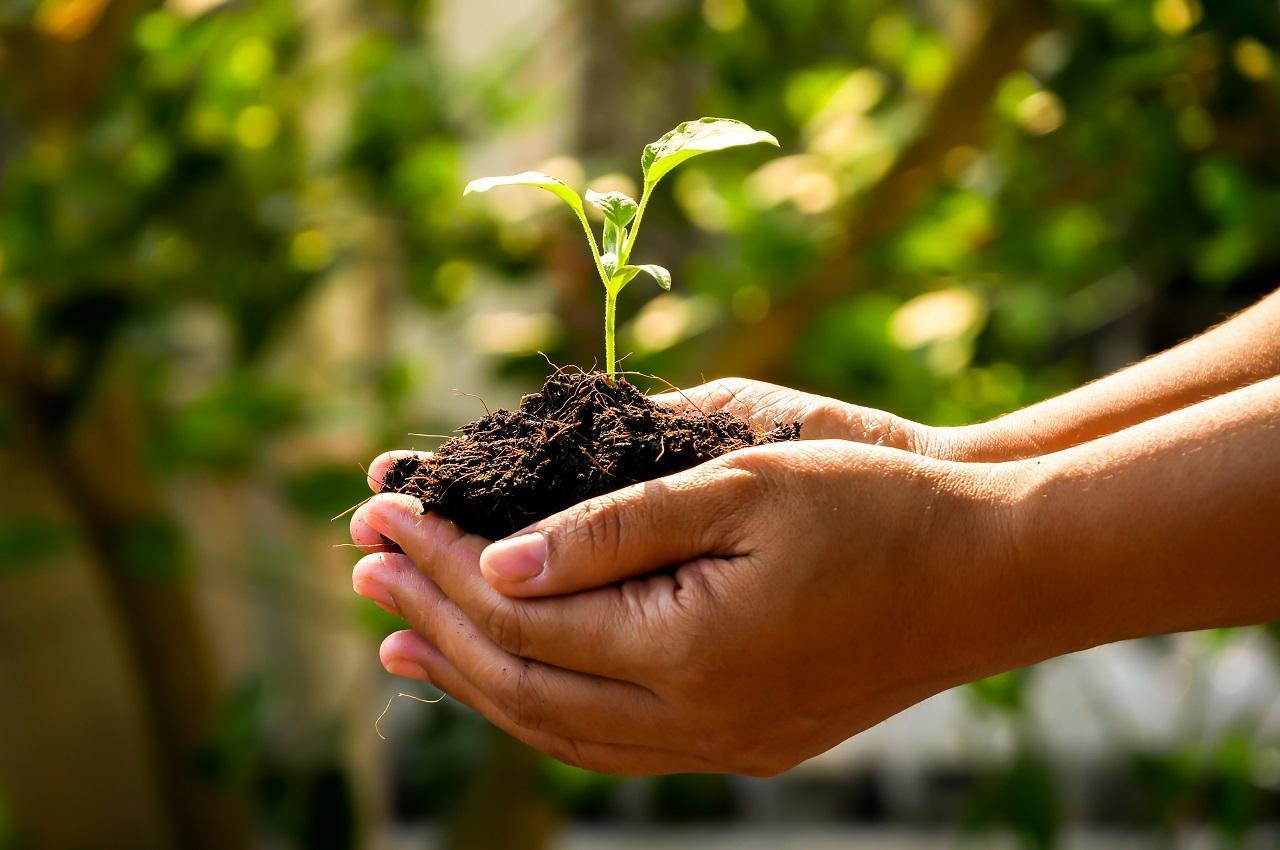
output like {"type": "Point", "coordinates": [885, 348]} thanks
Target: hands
{"type": "Point", "coordinates": [753, 611]}
{"type": "Point", "coordinates": [1241, 351]}
{"type": "Point", "coordinates": [769, 642]}
{"type": "Point", "coordinates": [828, 418]}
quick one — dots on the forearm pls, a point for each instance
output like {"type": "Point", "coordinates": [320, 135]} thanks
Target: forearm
{"type": "Point", "coordinates": [1235, 354]}
{"type": "Point", "coordinates": [1171, 525]}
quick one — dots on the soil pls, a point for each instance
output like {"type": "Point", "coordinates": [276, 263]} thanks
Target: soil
{"type": "Point", "coordinates": [581, 436]}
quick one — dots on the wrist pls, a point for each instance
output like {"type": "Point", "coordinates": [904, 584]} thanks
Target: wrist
{"type": "Point", "coordinates": [986, 442]}
{"type": "Point", "coordinates": [1061, 592]}
{"type": "Point", "coordinates": [1008, 594]}
{"type": "Point", "coordinates": [975, 555]}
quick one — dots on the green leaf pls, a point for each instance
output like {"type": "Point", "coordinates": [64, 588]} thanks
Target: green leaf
{"type": "Point", "coordinates": [609, 260]}
{"type": "Point", "coordinates": [614, 238]}
{"type": "Point", "coordinates": [555, 187]}
{"type": "Point", "coordinates": [530, 178]}
{"type": "Point", "coordinates": [619, 277]}
{"type": "Point", "coordinates": [691, 138]}
{"type": "Point", "coordinates": [618, 207]}
{"type": "Point", "coordinates": [658, 273]}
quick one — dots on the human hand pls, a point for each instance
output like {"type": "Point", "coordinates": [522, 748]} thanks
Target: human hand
{"type": "Point", "coordinates": [1234, 355]}
{"type": "Point", "coordinates": [823, 418]}
{"type": "Point", "coordinates": [811, 589]}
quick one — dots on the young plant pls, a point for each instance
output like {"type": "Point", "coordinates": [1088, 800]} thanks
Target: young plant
{"type": "Point", "coordinates": [623, 215]}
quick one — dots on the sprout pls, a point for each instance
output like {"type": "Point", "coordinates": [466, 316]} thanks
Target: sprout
{"type": "Point", "coordinates": [623, 215]}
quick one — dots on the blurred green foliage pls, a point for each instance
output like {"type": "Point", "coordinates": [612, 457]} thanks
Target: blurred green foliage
{"type": "Point", "coordinates": [977, 204]}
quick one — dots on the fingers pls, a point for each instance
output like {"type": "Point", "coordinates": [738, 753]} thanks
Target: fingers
{"type": "Point", "coordinates": [637, 530]}
{"type": "Point", "coordinates": [737, 395]}
{"type": "Point", "coordinates": [821, 418]}
{"type": "Point", "coordinates": [378, 468]}
{"type": "Point", "coordinates": [371, 539]}
{"type": "Point", "coordinates": [408, 654]}
{"type": "Point", "coordinates": [762, 404]}
{"type": "Point", "coordinates": [597, 632]}
{"type": "Point", "coordinates": [534, 694]}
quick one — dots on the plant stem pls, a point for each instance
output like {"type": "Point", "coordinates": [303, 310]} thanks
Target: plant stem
{"type": "Point", "coordinates": [610, 296]}
{"type": "Point", "coordinates": [625, 256]}
{"type": "Point", "coordinates": [611, 293]}
{"type": "Point", "coordinates": [595, 250]}
{"type": "Point", "coordinates": [610, 308]}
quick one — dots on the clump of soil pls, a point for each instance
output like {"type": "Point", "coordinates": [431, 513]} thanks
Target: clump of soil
{"type": "Point", "coordinates": [581, 436]}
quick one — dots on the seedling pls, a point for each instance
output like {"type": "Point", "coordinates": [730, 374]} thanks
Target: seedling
{"type": "Point", "coordinates": [623, 215]}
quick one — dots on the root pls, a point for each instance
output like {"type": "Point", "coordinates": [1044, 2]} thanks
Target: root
{"type": "Point", "coordinates": [377, 724]}
{"type": "Point", "coordinates": [354, 507]}
{"type": "Point", "coordinates": [483, 403]}
{"type": "Point", "coordinates": [669, 386]}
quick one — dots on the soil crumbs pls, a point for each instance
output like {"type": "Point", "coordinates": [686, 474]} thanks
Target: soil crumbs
{"type": "Point", "coordinates": [580, 437]}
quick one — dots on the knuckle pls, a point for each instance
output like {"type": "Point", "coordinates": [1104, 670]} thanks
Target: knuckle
{"type": "Point", "coordinates": [692, 596]}
{"type": "Point", "coordinates": [567, 750]}
{"type": "Point", "coordinates": [529, 701]}
{"type": "Point", "coordinates": [504, 623]}
{"type": "Point", "coordinates": [686, 669]}
{"type": "Point", "coordinates": [750, 466]}
{"type": "Point", "coordinates": [427, 615]}
{"type": "Point", "coordinates": [598, 529]}
{"type": "Point", "coordinates": [742, 479]}
{"type": "Point", "coordinates": [689, 671]}
{"type": "Point", "coordinates": [743, 460]}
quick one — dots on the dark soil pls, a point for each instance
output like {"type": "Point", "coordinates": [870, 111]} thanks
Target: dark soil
{"type": "Point", "coordinates": [581, 436]}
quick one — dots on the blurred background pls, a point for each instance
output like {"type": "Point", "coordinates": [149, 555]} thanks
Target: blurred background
{"type": "Point", "coordinates": [235, 264]}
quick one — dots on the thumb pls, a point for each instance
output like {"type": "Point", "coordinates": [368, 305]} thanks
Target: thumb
{"type": "Point", "coordinates": [639, 529]}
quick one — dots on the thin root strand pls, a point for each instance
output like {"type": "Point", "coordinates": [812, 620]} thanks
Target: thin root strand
{"type": "Point", "coordinates": [377, 724]}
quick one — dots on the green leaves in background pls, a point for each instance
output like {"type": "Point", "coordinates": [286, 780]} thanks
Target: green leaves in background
{"type": "Point", "coordinates": [325, 490]}
{"type": "Point", "coordinates": [10, 837]}
{"type": "Point", "coordinates": [1004, 693]}
{"type": "Point", "coordinates": [29, 542]}
{"type": "Point", "coordinates": [154, 548]}
{"type": "Point", "coordinates": [1021, 796]}
{"type": "Point", "coordinates": [1117, 192]}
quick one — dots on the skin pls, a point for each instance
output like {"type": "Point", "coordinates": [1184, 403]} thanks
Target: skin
{"type": "Point", "coordinates": [754, 611]}
{"type": "Point", "coordinates": [1236, 353]}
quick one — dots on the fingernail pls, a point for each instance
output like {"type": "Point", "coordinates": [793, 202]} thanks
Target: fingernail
{"type": "Point", "coordinates": [375, 592]}
{"type": "Point", "coordinates": [516, 558]}
{"type": "Point", "coordinates": [407, 669]}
